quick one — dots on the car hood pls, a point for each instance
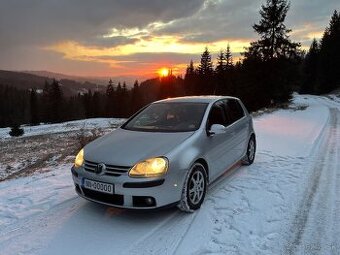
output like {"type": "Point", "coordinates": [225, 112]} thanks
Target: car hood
{"type": "Point", "coordinates": [125, 148]}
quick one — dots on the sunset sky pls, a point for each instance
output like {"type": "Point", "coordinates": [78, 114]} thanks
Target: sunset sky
{"type": "Point", "coordinates": [136, 38]}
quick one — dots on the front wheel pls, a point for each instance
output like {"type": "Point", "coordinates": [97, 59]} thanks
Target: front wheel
{"type": "Point", "coordinates": [251, 150]}
{"type": "Point", "coordinates": [194, 189]}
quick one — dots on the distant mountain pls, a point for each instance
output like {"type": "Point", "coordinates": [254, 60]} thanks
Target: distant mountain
{"type": "Point", "coordinates": [23, 80]}
{"type": "Point", "coordinates": [60, 76]}
{"type": "Point", "coordinates": [97, 79]}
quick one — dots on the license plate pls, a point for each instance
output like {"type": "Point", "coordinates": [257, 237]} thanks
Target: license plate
{"type": "Point", "coordinates": [99, 186]}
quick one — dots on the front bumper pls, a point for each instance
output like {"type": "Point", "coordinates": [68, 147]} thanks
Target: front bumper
{"type": "Point", "coordinates": [132, 193]}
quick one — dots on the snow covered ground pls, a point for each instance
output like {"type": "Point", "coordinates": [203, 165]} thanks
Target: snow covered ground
{"type": "Point", "coordinates": [48, 145]}
{"type": "Point", "coordinates": [287, 202]}
{"type": "Point", "coordinates": [76, 125]}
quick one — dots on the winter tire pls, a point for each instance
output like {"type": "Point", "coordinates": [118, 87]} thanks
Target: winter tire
{"type": "Point", "coordinates": [194, 189]}
{"type": "Point", "coordinates": [251, 150]}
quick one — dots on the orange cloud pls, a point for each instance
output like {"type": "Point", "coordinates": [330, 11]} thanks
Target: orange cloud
{"type": "Point", "coordinates": [145, 42]}
{"type": "Point", "coordinates": [151, 44]}
{"type": "Point", "coordinates": [156, 44]}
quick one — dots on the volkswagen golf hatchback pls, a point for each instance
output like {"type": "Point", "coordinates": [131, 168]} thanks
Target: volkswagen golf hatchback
{"type": "Point", "coordinates": [166, 154]}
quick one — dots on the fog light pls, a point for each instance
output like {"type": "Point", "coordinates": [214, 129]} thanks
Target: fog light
{"type": "Point", "coordinates": [149, 201]}
{"type": "Point", "coordinates": [142, 201]}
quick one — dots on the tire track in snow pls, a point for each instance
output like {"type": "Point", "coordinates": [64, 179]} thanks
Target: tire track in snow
{"type": "Point", "coordinates": [315, 216]}
{"type": "Point", "coordinates": [168, 236]}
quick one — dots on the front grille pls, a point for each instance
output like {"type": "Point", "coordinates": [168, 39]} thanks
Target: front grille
{"type": "Point", "coordinates": [110, 169]}
{"type": "Point", "coordinates": [113, 199]}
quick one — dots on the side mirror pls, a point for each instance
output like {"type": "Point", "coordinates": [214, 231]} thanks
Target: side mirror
{"type": "Point", "coordinates": [216, 129]}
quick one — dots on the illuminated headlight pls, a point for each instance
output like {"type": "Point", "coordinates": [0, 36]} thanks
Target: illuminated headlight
{"type": "Point", "coordinates": [150, 168]}
{"type": "Point", "coordinates": [79, 159]}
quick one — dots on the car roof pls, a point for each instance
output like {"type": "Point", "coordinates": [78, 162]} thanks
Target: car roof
{"type": "Point", "coordinates": [195, 99]}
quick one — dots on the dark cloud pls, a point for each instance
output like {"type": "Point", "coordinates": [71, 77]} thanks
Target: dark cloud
{"type": "Point", "coordinates": [234, 19]}
{"type": "Point", "coordinates": [43, 21]}
{"type": "Point", "coordinates": [215, 21]}
{"type": "Point", "coordinates": [28, 25]}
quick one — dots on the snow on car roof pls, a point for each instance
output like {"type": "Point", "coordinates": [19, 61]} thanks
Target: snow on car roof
{"type": "Point", "coordinates": [194, 99]}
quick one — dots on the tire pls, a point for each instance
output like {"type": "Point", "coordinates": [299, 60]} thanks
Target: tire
{"type": "Point", "coordinates": [192, 195]}
{"type": "Point", "coordinates": [249, 158]}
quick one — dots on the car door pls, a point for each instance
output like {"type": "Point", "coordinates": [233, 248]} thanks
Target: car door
{"type": "Point", "coordinates": [237, 127]}
{"type": "Point", "coordinates": [217, 146]}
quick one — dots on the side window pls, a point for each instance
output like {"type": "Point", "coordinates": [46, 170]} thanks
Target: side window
{"type": "Point", "coordinates": [234, 111]}
{"type": "Point", "coordinates": [216, 115]}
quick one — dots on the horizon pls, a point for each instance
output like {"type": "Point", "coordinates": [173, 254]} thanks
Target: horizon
{"type": "Point", "coordinates": [137, 39]}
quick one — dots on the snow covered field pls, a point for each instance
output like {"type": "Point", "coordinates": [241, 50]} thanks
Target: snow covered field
{"type": "Point", "coordinates": [76, 125]}
{"type": "Point", "coordinates": [287, 202]}
{"type": "Point", "coordinates": [48, 145]}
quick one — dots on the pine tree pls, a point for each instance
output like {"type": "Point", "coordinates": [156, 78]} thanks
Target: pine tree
{"type": "Point", "coordinates": [119, 106]}
{"type": "Point", "coordinates": [124, 101]}
{"type": "Point", "coordinates": [310, 69]}
{"type": "Point", "coordinates": [124, 87]}
{"type": "Point", "coordinates": [271, 64]}
{"type": "Point", "coordinates": [330, 56]}
{"type": "Point", "coordinates": [16, 130]}
{"type": "Point", "coordinates": [221, 64]}
{"type": "Point", "coordinates": [87, 102]}
{"type": "Point", "coordinates": [190, 79]}
{"type": "Point", "coordinates": [34, 108]}
{"type": "Point", "coordinates": [205, 85]}
{"type": "Point", "coordinates": [229, 58]}
{"type": "Point", "coordinates": [206, 66]}
{"type": "Point", "coordinates": [110, 100]}
{"type": "Point", "coordinates": [274, 42]}
{"type": "Point", "coordinates": [96, 106]}
{"type": "Point", "coordinates": [224, 73]}
{"type": "Point", "coordinates": [136, 100]}
{"type": "Point", "coordinates": [119, 88]}
{"type": "Point", "coordinates": [190, 69]}
{"type": "Point", "coordinates": [46, 110]}
{"type": "Point", "coordinates": [56, 100]}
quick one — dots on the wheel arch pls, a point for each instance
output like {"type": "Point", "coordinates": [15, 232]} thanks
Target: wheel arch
{"type": "Point", "coordinates": [205, 164]}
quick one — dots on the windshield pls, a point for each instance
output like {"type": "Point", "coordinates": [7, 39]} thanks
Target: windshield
{"type": "Point", "coordinates": [168, 117]}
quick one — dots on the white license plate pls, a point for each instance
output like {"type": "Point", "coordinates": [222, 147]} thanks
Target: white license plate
{"type": "Point", "coordinates": [98, 186]}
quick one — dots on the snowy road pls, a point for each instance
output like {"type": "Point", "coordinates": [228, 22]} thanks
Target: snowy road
{"type": "Point", "coordinates": [287, 202]}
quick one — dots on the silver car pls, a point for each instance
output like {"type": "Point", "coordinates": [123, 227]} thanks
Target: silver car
{"type": "Point", "coordinates": [166, 154]}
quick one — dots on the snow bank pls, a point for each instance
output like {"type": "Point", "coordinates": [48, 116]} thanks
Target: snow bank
{"type": "Point", "coordinates": [66, 126]}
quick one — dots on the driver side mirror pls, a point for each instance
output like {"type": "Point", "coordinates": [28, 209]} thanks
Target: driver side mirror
{"type": "Point", "coordinates": [216, 129]}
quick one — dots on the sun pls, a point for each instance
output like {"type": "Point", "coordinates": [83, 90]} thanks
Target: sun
{"type": "Point", "coordinates": [163, 72]}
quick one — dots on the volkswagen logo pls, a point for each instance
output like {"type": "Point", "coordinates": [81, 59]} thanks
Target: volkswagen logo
{"type": "Point", "coordinates": [100, 168]}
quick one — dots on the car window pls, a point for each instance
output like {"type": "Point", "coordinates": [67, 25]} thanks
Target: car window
{"type": "Point", "coordinates": [216, 115]}
{"type": "Point", "coordinates": [168, 117]}
{"type": "Point", "coordinates": [234, 111]}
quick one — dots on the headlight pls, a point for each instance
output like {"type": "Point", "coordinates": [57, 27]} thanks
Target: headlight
{"type": "Point", "coordinates": [79, 159]}
{"type": "Point", "coordinates": [150, 168]}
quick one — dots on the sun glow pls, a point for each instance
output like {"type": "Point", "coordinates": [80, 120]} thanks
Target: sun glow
{"type": "Point", "coordinates": [163, 72]}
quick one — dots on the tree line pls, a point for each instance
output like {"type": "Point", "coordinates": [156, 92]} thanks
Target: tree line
{"type": "Point", "coordinates": [51, 106]}
{"type": "Point", "coordinates": [271, 68]}
{"type": "Point", "coordinates": [321, 66]}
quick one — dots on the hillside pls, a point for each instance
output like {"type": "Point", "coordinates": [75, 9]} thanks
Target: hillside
{"type": "Point", "coordinates": [24, 80]}
{"type": "Point", "coordinates": [100, 80]}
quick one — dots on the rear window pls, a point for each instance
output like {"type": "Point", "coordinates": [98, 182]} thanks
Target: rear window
{"type": "Point", "coordinates": [234, 110]}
